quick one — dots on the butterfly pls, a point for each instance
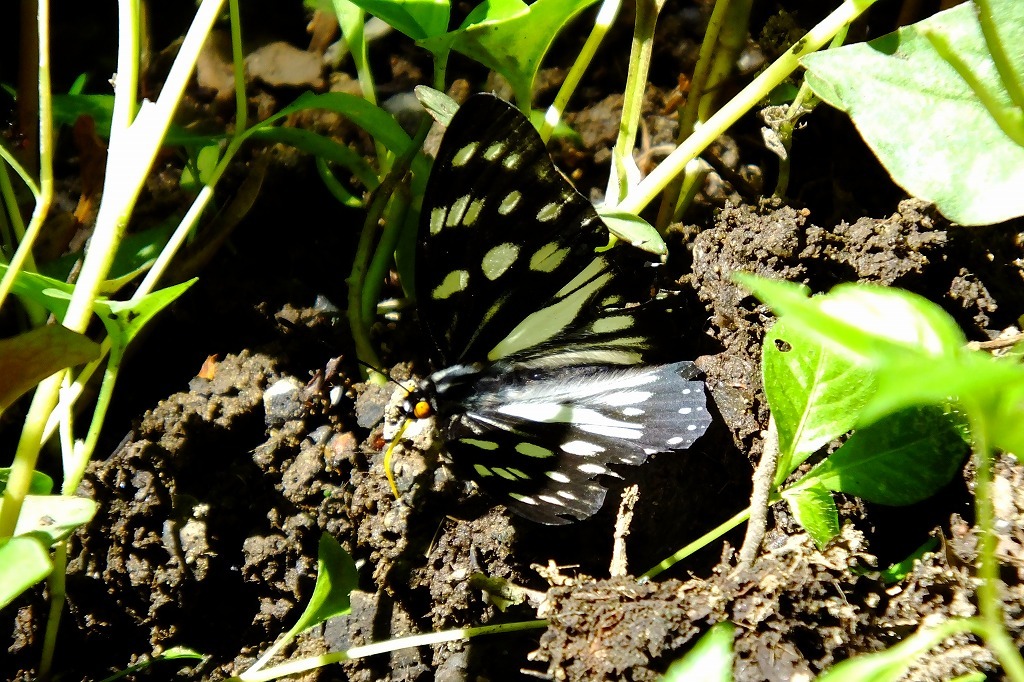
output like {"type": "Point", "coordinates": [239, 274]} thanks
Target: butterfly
{"type": "Point", "coordinates": [542, 385]}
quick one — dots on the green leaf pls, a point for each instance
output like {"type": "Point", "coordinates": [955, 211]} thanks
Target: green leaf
{"type": "Point", "coordinates": [336, 578]}
{"type": "Point", "coordinates": [814, 393]}
{"type": "Point", "coordinates": [124, 319]}
{"type": "Point", "coordinates": [510, 37]}
{"type": "Point", "coordinates": [901, 569]}
{"type": "Point", "coordinates": [891, 664]}
{"type": "Point", "coordinates": [418, 19]}
{"type": "Point", "coordinates": [52, 517]}
{"type": "Point", "coordinates": [871, 322]}
{"type": "Point", "coordinates": [40, 484]}
{"type": "Point", "coordinates": [635, 231]}
{"type": "Point", "coordinates": [710, 659]}
{"type": "Point", "coordinates": [30, 357]}
{"type": "Point", "coordinates": [815, 511]}
{"type": "Point", "coordinates": [439, 105]}
{"type": "Point", "coordinates": [926, 125]}
{"type": "Point", "coordinates": [24, 561]}
{"type": "Point", "coordinates": [899, 460]}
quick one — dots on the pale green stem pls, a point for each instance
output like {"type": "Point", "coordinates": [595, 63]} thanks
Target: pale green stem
{"type": "Point", "coordinates": [697, 544]}
{"type": "Point", "coordinates": [602, 23]}
{"type": "Point", "coordinates": [744, 101]}
{"type": "Point", "coordinates": [130, 155]}
{"type": "Point", "coordinates": [46, 393]}
{"type": "Point", "coordinates": [624, 168]}
{"type": "Point", "coordinates": [311, 663]}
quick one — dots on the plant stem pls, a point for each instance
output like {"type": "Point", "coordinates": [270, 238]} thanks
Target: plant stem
{"type": "Point", "coordinates": [313, 662]}
{"type": "Point", "coordinates": [713, 534]}
{"type": "Point", "coordinates": [602, 23]}
{"type": "Point", "coordinates": [624, 169]}
{"type": "Point", "coordinates": [743, 102]}
{"type": "Point", "coordinates": [990, 602]}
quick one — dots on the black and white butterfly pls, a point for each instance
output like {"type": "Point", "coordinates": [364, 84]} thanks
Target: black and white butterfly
{"type": "Point", "coordinates": [543, 384]}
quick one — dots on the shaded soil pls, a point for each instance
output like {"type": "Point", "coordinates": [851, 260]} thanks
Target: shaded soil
{"type": "Point", "coordinates": [215, 491]}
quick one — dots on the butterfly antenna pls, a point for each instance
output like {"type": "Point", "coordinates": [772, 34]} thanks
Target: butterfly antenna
{"type": "Point", "coordinates": [385, 374]}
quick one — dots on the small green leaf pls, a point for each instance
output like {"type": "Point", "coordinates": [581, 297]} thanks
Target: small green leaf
{"type": "Point", "coordinates": [24, 561]}
{"type": "Point", "coordinates": [30, 357]}
{"type": "Point", "coordinates": [417, 19]}
{"type": "Point", "coordinates": [814, 393]}
{"type": "Point", "coordinates": [198, 171]}
{"type": "Point", "coordinates": [124, 319]}
{"type": "Point", "coordinates": [926, 125]}
{"type": "Point", "coordinates": [815, 511]}
{"type": "Point", "coordinates": [439, 105]}
{"type": "Point", "coordinates": [510, 37]}
{"type": "Point", "coordinates": [901, 569]}
{"type": "Point", "coordinates": [710, 659]}
{"type": "Point", "coordinates": [635, 231]}
{"type": "Point", "coordinates": [899, 460]}
{"type": "Point", "coordinates": [335, 580]}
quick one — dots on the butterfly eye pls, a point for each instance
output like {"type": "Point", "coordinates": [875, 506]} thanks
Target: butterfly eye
{"type": "Point", "coordinates": [422, 409]}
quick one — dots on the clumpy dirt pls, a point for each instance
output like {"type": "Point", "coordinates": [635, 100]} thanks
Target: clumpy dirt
{"type": "Point", "coordinates": [242, 433]}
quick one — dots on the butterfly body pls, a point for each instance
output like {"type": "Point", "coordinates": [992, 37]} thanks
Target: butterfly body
{"type": "Point", "coordinates": [543, 385]}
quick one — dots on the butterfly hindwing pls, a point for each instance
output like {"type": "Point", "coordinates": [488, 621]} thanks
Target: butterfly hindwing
{"type": "Point", "coordinates": [538, 443]}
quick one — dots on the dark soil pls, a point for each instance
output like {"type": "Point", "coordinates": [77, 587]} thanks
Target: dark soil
{"type": "Point", "coordinates": [214, 492]}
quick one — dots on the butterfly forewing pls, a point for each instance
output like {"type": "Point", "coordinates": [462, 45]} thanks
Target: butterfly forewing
{"type": "Point", "coordinates": [504, 236]}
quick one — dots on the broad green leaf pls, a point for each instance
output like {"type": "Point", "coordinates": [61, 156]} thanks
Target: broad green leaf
{"type": "Point", "coordinates": [24, 561]}
{"type": "Point", "coordinates": [418, 19]}
{"type": "Point", "coordinates": [30, 357]}
{"type": "Point", "coordinates": [815, 511]}
{"type": "Point", "coordinates": [814, 393]}
{"type": "Point", "coordinates": [891, 664]}
{"type": "Point", "coordinates": [926, 125]}
{"type": "Point", "coordinates": [969, 376]}
{"type": "Point", "coordinates": [40, 484]}
{"type": "Point", "coordinates": [198, 171]}
{"type": "Point", "coordinates": [510, 37]}
{"type": "Point", "coordinates": [710, 659]}
{"type": "Point", "coordinates": [899, 460]}
{"type": "Point", "coordinates": [635, 231]}
{"type": "Point", "coordinates": [53, 517]}
{"type": "Point", "coordinates": [336, 578]}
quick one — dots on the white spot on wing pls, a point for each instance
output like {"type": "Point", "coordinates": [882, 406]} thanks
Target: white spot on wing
{"type": "Point", "coordinates": [581, 448]}
{"type": "Point", "coordinates": [436, 219]}
{"type": "Point", "coordinates": [473, 212]}
{"type": "Point", "coordinates": [533, 450]}
{"type": "Point", "coordinates": [494, 151]}
{"type": "Point", "coordinates": [676, 440]}
{"type": "Point", "coordinates": [551, 500]}
{"type": "Point", "coordinates": [626, 398]}
{"type": "Point", "coordinates": [548, 257]}
{"type": "Point", "coordinates": [557, 476]}
{"type": "Point", "coordinates": [549, 212]}
{"type": "Point", "coordinates": [454, 282]}
{"type": "Point", "coordinates": [510, 201]}
{"type": "Point", "coordinates": [525, 499]}
{"type": "Point", "coordinates": [592, 469]}
{"type": "Point", "coordinates": [632, 411]}
{"type": "Point", "coordinates": [499, 259]}
{"type": "Point", "coordinates": [457, 210]}
{"type": "Point", "coordinates": [512, 161]}
{"type": "Point", "coordinates": [464, 154]}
